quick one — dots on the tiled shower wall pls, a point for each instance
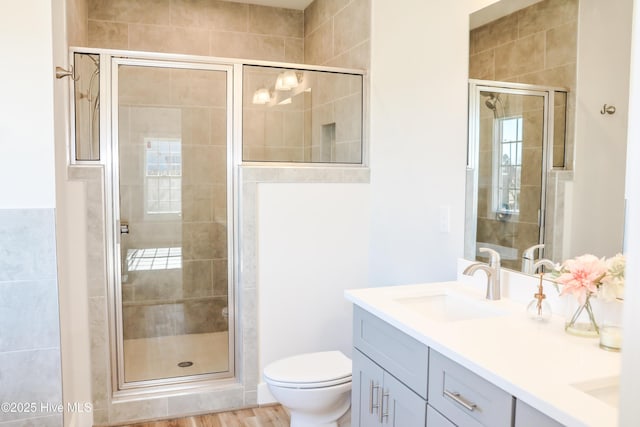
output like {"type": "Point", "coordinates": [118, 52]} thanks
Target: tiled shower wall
{"type": "Point", "coordinates": [198, 27]}
{"type": "Point", "coordinates": [535, 45]}
{"type": "Point", "coordinates": [29, 323]}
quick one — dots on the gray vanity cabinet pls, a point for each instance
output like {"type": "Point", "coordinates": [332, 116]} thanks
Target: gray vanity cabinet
{"type": "Point", "coordinates": [394, 374]}
{"type": "Point", "coordinates": [436, 419]}
{"type": "Point", "coordinates": [390, 371]}
{"type": "Point", "coordinates": [526, 416]}
{"type": "Point", "coordinates": [379, 399]}
{"type": "Point", "coordinates": [465, 398]}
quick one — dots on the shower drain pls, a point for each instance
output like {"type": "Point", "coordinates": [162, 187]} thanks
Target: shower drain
{"type": "Point", "coordinates": [185, 364]}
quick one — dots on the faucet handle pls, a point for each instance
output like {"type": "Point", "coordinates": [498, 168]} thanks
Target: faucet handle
{"type": "Point", "coordinates": [528, 253]}
{"type": "Point", "coordinates": [494, 256]}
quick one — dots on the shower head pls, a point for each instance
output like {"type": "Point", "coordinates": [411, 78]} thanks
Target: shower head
{"type": "Point", "coordinates": [492, 101]}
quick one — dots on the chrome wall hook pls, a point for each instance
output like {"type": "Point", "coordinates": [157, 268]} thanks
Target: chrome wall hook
{"type": "Point", "coordinates": [61, 73]}
{"type": "Point", "coordinates": [608, 109]}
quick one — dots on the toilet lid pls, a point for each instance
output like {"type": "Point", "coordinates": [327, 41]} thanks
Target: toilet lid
{"type": "Point", "coordinates": [311, 369]}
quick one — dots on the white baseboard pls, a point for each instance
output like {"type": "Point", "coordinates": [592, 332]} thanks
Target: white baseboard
{"type": "Point", "coordinates": [264, 395]}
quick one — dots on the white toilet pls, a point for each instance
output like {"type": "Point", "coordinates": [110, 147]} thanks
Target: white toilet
{"type": "Point", "coordinates": [314, 387]}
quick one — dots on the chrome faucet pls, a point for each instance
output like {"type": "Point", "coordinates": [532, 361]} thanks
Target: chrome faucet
{"type": "Point", "coordinates": [542, 262]}
{"type": "Point", "coordinates": [492, 270]}
{"type": "Point", "coordinates": [528, 258]}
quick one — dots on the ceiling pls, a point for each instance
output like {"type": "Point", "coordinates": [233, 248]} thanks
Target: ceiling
{"type": "Point", "coordinates": [287, 4]}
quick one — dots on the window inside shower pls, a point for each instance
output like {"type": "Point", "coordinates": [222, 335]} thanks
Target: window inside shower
{"type": "Point", "coordinates": [507, 165]}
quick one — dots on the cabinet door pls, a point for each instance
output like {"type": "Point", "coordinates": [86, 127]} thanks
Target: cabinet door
{"type": "Point", "coordinates": [526, 416]}
{"type": "Point", "coordinates": [436, 419]}
{"type": "Point", "coordinates": [366, 391]}
{"type": "Point", "coordinates": [401, 407]}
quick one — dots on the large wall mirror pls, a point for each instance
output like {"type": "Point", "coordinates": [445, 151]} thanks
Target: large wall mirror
{"type": "Point", "coordinates": [546, 161]}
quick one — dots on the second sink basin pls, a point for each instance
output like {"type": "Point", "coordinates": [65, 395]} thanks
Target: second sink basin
{"type": "Point", "coordinates": [449, 307]}
{"type": "Point", "coordinates": [606, 390]}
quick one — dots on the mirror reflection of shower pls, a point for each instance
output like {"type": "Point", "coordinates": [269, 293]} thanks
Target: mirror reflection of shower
{"type": "Point", "coordinates": [87, 106]}
{"type": "Point", "coordinates": [494, 103]}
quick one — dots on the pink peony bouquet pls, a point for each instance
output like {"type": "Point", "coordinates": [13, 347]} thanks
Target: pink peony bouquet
{"type": "Point", "coordinates": [587, 275]}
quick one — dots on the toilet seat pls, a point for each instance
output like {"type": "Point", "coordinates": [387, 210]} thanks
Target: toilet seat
{"type": "Point", "coordinates": [311, 370]}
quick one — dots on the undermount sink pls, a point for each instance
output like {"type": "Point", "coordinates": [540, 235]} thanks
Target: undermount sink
{"type": "Point", "coordinates": [606, 390]}
{"type": "Point", "coordinates": [446, 307]}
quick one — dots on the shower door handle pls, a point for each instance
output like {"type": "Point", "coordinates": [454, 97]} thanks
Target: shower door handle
{"type": "Point", "coordinates": [124, 228]}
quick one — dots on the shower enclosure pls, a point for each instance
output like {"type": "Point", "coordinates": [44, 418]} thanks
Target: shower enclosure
{"type": "Point", "coordinates": [516, 136]}
{"type": "Point", "coordinates": [170, 204]}
{"type": "Point", "coordinates": [171, 133]}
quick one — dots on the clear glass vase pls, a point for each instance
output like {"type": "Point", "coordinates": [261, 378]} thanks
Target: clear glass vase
{"type": "Point", "coordinates": [580, 319]}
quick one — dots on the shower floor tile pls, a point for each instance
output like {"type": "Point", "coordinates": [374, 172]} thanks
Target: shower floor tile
{"type": "Point", "coordinates": [151, 358]}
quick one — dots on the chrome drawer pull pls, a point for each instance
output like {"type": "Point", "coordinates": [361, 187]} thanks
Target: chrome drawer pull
{"type": "Point", "coordinates": [456, 397]}
{"type": "Point", "coordinates": [371, 405]}
{"type": "Point", "coordinates": [384, 414]}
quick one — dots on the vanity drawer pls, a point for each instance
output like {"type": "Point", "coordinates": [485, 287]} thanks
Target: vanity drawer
{"type": "Point", "coordinates": [402, 356]}
{"type": "Point", "coordinates": [465, 398]}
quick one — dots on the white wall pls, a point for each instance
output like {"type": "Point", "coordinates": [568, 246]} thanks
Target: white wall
{"type": "Point", "coordinates": [312, 245]}
{"type": "Point", "coordinates": [26, 105]}
{"type": "Point", "coordinates": [419, 71]}
{"type": "Point", "coordinates": [630, 378]}
{"type": "Point", "coordinates": [601, 140]}
{"type": "Point", "coordinates": [71, 246]}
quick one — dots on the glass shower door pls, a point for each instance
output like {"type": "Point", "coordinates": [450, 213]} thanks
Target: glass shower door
{"type": "Point", "coordinates": [174, 222]}
{"type": "Point", "coordinates": [511, 172]}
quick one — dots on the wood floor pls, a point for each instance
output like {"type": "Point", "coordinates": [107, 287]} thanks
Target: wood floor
{"type": "Point", "coordinates": [266, 416]}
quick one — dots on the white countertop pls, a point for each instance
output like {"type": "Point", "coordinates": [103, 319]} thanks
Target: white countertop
{"type": "Point", "coordinates": [537, 363]}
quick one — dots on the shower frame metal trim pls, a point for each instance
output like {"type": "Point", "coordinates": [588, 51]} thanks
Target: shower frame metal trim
{"type": "Point", "coordinates": [473, 145]}
{"type": "Point", "coordinates": [122, 390]}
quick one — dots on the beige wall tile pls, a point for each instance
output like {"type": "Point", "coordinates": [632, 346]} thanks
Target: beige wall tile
{"type": "Point", "coordinates": [521, 56]}
{"type": "Point", "coordinates": [276, 21]}
{"type": "Point", "coordinates": [196, 203]}
{"type": "Point", "coordinates": [152, 38]}
{"type": "Point", "coordinates": [357, 57]}
{"type": "Point", "coordinates": [351, 26]}
{"type": "Point", "coordinates": [315, 15]}
{"type": "Point", "coordinates": [137, 11]}
{"type": "Point", "coordinates": [220, 273]}
{"type": "Point", "coordinates": [274, 129]}
{"type": "Point", "coordinates": [546, 14]}
{"type": "Point", "coordinates": [77, 29]}
{"type": "Point", "coordinates": [529, 204]}
{"type": "Point", "coordinates": [319, 11]}
{"type": "Point", "coordinates": [198, 88]}
{"type": "Point", "coordinates": [139, 85]}
{"type": "Point", "coordinates": [108, 35]}
{"type": "Point", "coordinates": [293, 129]}
{"type": "Point", "coordinates": [210, 14]}
{"type": "Point", "coordinates": [318, 46]}
{"type": "Point", "coordinates": [563, 76]}
{"type": "Point", "coordinates": [253, 128]}
{"type": "Point", "coordinates": [240, 45]}
{"type": "Point", "coordinates": [197, 278]}
{"type": "Point", "coordinates": [494, 34]}
{"type": "Point", "coordinates": [218, 126]}
{"type": "Point", "coordinates": [348, 113]}
{"type": "Point", "coordinates": [561, 47]}
{"type": "Point", "coordinates": [531, 166]}
{"type": "Point", "coordinates": [196, 126]}
{"type": "Point", "coordinates": [482, 65]}
{"type": "Point", "coordinates": [294, 50]}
